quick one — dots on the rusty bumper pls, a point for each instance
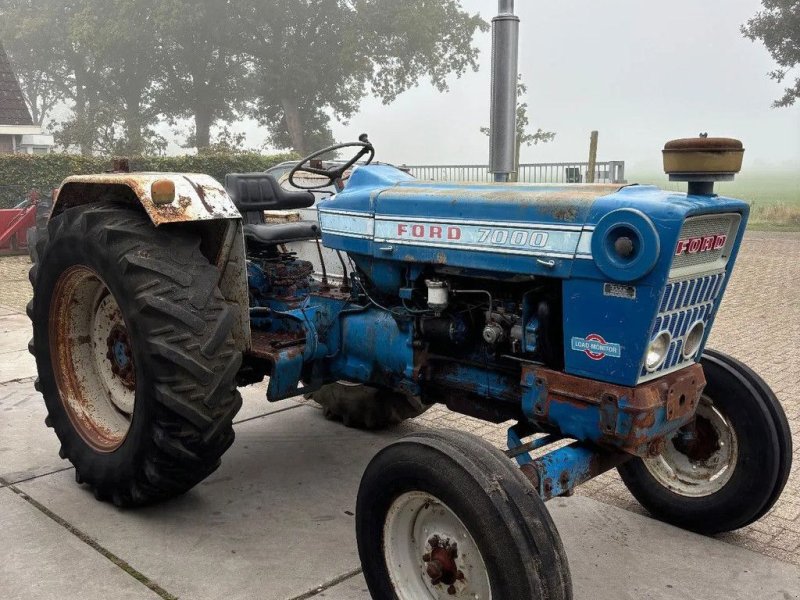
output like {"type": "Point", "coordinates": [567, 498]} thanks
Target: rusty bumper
{"type": "Point", "coordinates": [634, 420]}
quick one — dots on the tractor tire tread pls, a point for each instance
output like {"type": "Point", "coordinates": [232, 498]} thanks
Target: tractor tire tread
{"type": "Point", "coordinates": [190, 382]}
{"type": "Point", "coordinates": [364, 407]}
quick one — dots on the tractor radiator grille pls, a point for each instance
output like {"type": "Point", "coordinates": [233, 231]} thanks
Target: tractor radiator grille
{"type": "Point", "coordinates": [683, 303]}
{"type": "Point", "coordinates": [694, 263]}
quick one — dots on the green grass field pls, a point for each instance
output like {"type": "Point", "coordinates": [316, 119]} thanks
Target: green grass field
{"type": "Point", "coordinates": [773, 196]}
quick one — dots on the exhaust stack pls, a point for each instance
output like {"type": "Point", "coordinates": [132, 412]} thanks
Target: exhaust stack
{"type": "Point", "coordinates": [503, 118]}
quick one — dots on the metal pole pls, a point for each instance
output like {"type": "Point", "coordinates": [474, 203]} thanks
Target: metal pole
{"type": "Point", "coordinates": [503, 118]}
{"type": "Point", "coordinates": [592, 167]}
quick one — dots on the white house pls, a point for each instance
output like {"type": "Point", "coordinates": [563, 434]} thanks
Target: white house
{"type": "Point", "coordinates": [18, 133]}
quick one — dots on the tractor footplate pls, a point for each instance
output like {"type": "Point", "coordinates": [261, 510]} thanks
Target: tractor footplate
{"type": "Point", "coordinates": [635, 420]}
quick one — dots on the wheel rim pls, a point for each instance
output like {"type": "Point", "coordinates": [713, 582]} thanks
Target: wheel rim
{"type": "Point", "coordinates": [92, 358]}
{"type": "Point", "coordinates": [700, 458]}
{"type": "Point", "coordinates": [429, 552]}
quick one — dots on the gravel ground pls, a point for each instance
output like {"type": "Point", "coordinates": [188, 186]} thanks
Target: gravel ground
{"type": "Point", "coordinates": [759, 323]}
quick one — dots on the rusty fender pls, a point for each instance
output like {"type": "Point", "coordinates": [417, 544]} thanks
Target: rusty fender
{"type": "Point", "coordinates": [197, 197]}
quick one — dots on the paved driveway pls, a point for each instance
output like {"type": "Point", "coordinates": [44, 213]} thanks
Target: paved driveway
{"type": "Point", "coordinates": [276, 520]}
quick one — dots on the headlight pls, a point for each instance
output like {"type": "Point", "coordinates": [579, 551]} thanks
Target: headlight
{"type": "Point", "coordinates": [693, 338]}
{"type": "Point", "coordinates": [657, 351]}
{"type": "Point", "coordinates": [625, 245]}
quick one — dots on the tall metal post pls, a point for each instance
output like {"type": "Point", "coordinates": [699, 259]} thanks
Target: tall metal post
{"type": "Point", "coordinates": [503, 119]}
{"type": "Point", "coordinates": [591, 169]}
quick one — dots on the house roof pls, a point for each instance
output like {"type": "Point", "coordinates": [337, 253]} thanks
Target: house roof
{"type": "Point", "coordinates": [13, 110]}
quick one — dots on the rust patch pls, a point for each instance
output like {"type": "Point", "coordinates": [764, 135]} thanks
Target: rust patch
{"type": "Point", "coordinates": [199, 197]}
{"type": "Point", "coordinates": [673, 396]}
{"type": "Point", "coordinates": [269, 345]}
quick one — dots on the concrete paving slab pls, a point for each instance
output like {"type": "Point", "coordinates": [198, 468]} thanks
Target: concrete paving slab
{"type": "Point", "coordinates": [41, 559]}
{"type": "Point", "coordinates": [274, 521]}
{"type": "Point", "coordinates": [17, 365]}
{"type": "Point", "coordinates": [6, 311]}
{"type": "Point", "coordinates": [15, 333]}
{"type": "Point", "coordinates": [27, 447]}
{"type": "Point", "coordinates": [616, 554]}
{"type": "Point", "coordinates": [255, 403]}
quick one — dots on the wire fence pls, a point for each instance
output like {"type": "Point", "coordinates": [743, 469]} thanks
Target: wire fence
{"type": "Point", "coordinates": [612, 171]}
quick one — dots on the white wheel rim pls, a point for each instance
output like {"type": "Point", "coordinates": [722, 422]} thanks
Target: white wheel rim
{"type": "Point", "coordinates": [422, 536]}
{"type": "Point", "coordinates": [92, 358]}
{"type": "Point", "coordinates": [694, 472]}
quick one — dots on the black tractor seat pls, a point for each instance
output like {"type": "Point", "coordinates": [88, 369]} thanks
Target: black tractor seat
{"type": "Point", "coordinates": [280, 233]}
{"type": "Point", "coordinates": [253, 193]}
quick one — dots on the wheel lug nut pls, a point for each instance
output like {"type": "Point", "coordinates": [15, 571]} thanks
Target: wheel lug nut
{"type": "Point", "coordinates": [434, 571]}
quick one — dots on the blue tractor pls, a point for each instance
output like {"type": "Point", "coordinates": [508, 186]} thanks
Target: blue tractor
{"type": "Point", "coordinates": [579, 313]}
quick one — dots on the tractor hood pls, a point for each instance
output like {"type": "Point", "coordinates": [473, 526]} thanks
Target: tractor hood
{"type": "Point", "coordinates": [388, 214]}
{"type": "Point", "coordinates": [508, 229]}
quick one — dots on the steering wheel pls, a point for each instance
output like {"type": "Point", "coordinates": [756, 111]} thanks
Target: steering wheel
{"type": "Point", "coordinates": [336, 173]}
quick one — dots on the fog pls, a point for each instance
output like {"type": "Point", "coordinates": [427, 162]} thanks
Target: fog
{"type": "Point", "coordinates": [639, 72]}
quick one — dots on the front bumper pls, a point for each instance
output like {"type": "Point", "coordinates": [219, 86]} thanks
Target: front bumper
{"type": "Point", "coordinates": [635, 420]}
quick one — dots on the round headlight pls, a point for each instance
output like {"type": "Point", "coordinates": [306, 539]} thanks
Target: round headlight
{"type": "Point", "coordinates": [625, 244]}
{"type": "Point", "coordinates": [693, 339]}
{"type": "Point", "coordinates": [657, 351]}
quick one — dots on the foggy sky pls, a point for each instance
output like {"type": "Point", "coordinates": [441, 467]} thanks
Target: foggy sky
{"type": "Point", "coordinates": [639, 72]}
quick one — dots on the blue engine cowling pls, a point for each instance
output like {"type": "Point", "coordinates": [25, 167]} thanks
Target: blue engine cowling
{"type": "Point", "coordinates": [633, 262]}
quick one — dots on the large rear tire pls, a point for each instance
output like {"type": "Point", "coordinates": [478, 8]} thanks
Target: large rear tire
{"type": "Point", "coordinates": [730, 466]}
{"type": "Point", "coordinates": [134, 348]}
{"type": "Point", "coordinates": [444, 514]}
{"type": "Point", "coordinates": [365, 407]}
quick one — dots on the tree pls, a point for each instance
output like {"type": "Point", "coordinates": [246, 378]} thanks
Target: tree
{"type": "Point", "coordinates": [58, 65]}
{"type": "Point", "coordinates": [523, 136]}
{"type": "Point", "coordinates": [120, 37]}
{"type": "Point", "coordinates": [32, 36]}
{"type": "Point", "coordinates": [778, 27]}
{"type": "Point", "coordinates": [205, 75]}
{"type": "Point", "coordinates": [312, 61]}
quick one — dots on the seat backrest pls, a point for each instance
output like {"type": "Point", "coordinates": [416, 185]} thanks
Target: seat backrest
{"type": "Point", "coordinates": [253, 193]}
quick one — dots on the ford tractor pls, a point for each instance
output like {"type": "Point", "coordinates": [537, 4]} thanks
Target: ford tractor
{"type": "Point", "coordinates": [578, 314]}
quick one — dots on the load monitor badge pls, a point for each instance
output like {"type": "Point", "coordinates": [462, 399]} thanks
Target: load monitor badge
{"type": "Point", "coordinates": [596, 347]}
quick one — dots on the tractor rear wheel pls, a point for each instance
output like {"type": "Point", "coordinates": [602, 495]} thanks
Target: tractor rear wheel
{"type": "Point", "coordinates": [365, 407]}
{"type": "Point", "coordinates": [729, 466]}
{"type": "Point", "coordinates": [134, 347]}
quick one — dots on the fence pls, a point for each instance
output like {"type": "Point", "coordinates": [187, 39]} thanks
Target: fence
{"type": "Point", "coordinates": [612, 171]}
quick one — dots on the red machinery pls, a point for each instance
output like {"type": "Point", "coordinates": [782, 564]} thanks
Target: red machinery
{"type": "Point", "coordinates": [14, 225]}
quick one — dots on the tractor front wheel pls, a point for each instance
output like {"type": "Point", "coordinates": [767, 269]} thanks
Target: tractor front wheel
{"type": "Point", "coordinates": [444, 514]}
{"type": "Point", "coordinates": [729, 466]}
{"type": "Point", "coordinates": [134, 348]}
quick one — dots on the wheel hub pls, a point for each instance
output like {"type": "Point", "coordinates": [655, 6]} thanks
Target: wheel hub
{"type": "Point", "coordinates": [92, 358]}
{"type": "Point", "coordinates": [441, 564]}
{"type": "Point", "coordinates": [699, 441]}
{"type": "Point", "coordinates": [700, 458]}
{"type": "Point", "coordinates": [429, 552]}
{"type": "Point", "coordinates": [121, 356]}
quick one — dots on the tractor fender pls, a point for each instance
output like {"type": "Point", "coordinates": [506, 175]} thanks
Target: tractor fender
{"type": "Point", "coordinates": [197, 197]}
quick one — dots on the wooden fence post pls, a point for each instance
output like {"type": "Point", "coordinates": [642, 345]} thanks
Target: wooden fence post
{"type": "Point", "coordinates": [592, 167]}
